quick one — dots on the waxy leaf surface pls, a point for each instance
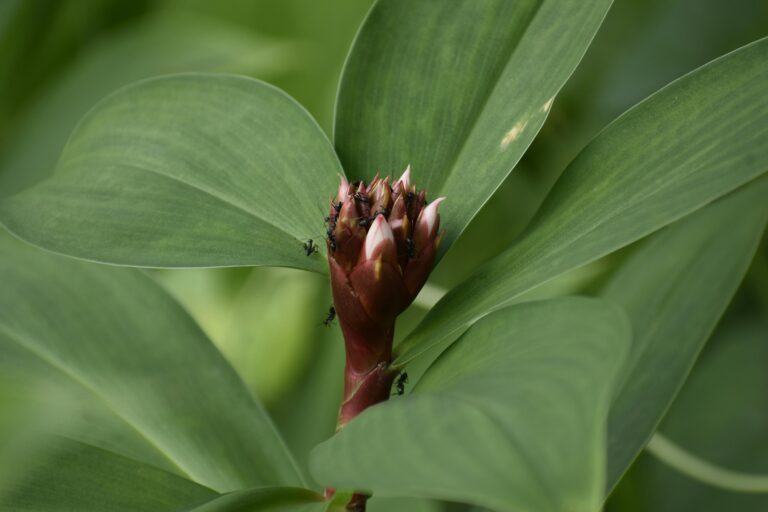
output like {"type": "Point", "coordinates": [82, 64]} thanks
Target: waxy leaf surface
{"type": "Point", "coordinates": [512, 416]}
{"type": "Point", "coordinates": [695, 140]}
{"type": "Point", "coordinates": [186, 171]}
{"type": "Point", "coordinates": [457, 91]}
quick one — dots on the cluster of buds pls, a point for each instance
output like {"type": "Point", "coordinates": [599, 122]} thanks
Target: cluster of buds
{"type": "Point", "coordinates": [382, 242]}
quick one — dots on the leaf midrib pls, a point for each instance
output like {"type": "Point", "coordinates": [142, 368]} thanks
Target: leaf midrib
{"type": "Point", "coordinates": [472, 121]}
{"type": "Point", "coordinates": [51, 360]}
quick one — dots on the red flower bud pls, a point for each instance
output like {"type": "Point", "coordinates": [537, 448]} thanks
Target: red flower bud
{"type": "Point", "coordinates": [382, 243]}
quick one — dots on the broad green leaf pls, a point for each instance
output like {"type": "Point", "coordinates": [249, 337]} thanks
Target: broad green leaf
{"type": "Point", "coordinates": [675, 289]}
{"type": "Point", "coordinates": [184, 171]}
{"type": "Point", "coordinates": [117, 336]}
{"type": "Point", "coordinates": [457, 92]}
{"type": "Point", "coordinates": [74, 477]}
{"type": "Point", "coordinates": [695, 140]}
{"type": "Point", "coordinates": [511, 416]}
{"type": "Point", "coordinates": [264, 499]}
{"type": "Point", "coordinates": [167, 42]}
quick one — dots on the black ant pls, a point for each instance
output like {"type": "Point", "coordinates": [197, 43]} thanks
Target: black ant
{"type": "Point", "coordinates": [409, 197]}
{"type": "Point", "coordinates": [400, 383]}
{"type": "Point", "coordinates": [363, 222]}
{"type": "Point", "coordinates": [329, 318]}
{"type": "Point", "coordinates": [361, 197]}
{"type": "Point", "coordinates": [336, 208]}
{"type": "Point", "coordinates": [410, 246]}
{"type": "Point", "coordinates": [330, 236]}
{"type": "Point", "coordinates": [310, 248]}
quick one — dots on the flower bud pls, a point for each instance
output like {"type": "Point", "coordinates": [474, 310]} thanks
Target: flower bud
{"type": "Point", "coordinates": [404, 183]}
{"type": "Point", "coordinates": [382, 243]}
{"type": "Point", "coordinates": [343, 191]}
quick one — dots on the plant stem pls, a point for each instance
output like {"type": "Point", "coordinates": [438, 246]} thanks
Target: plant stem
{"type": "Point", "coordinates": [703, 471]}
{"type": "Point", "coordinates": [368, 380]}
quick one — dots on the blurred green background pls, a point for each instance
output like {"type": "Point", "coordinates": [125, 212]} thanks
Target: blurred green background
{"type": "Point", "coordinates": [59, 57]}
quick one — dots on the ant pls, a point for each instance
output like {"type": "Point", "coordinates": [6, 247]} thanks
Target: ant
{"type": "Point", "coordinates": [310, 248]}
{"type": "Point", "coordinates": [361, 197]}
{"type": "Point", "coordinates": [329, 318]}
{"type": "Point", "coordinates": [400, 383]}
{"type": "Point", "coordinates": [363, 222]}
{"type": "Point", "coordinates": [331, 219]}
{"type": "Point", "coordinates": [332, 242]}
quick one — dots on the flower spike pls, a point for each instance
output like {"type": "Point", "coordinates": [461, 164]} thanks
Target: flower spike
{"type": "Point", "coordinates": [384, 246]}
{"type": "Point", "coordinates": [382, 240]}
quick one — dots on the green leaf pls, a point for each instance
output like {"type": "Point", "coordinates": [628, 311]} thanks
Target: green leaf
{"type": "Point", "coordinates": [166, 42]}
{"type": "Point", "coordinates": [265, 499]}
{"type": "Point", "coordinates": [511, 416]}
{"type": "Point", "coordinates": [675, 289]}
{"type": "Point", "coordinates": [695, 140]}
{"type": "Point", "coordinates": [71, 476]}
{"type": "Point", "coordinates": [116, 336]}
{"type": "Point", "coordinates": [184, 171]}
{"type": "Point", "coordinates": [457, 92]}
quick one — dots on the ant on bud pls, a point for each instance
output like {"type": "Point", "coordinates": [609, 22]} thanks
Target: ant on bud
{"type": "Point", "coordinates": [400, 383]}
{"type": "Point", "coordinates": [362, 198]}
{"type": "Point", "coordinates": [310, 248]}
{"type": "Point", "coordinates": [330, 316]}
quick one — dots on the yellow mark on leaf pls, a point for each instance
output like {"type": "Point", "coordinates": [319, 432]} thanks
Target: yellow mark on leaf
{"type": "Point", "coordinates": [377, 269]}
{"type": "Point", "coordinates": [513, 134]}
{"type": "Point", "coordinates": [548, 105]}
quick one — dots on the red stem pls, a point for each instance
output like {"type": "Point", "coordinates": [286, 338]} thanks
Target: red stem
{"type": "Point", "coordinates": [367, 380]}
